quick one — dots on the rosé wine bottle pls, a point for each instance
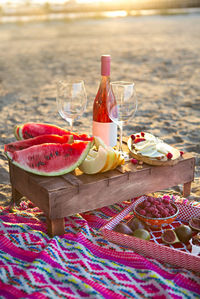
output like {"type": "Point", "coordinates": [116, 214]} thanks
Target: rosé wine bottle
{"type": "Point", "coordinates": [103, 126]}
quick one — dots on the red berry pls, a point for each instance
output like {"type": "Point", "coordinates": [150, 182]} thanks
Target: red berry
{"type": "Point", "coordinates": [142, 212]}
{"type": "Point", "coordinates": [181, 153]}
{"type": "Point", "coordinates": [151, 199]}
{"type": "Point", "coordinates": [142, 134]}
{"type": "Point", "coordinates": [165, 201]}
{"type": "Point", "coordinates": [139, 140]}
{"type": "Point", "coordinates": [137, 135]}
{"type": "Point", "coordinates": [146, 204]}
{"type": "Point", "coordinates": [169, 156]}
{"type": "Point", "coordinates": [133, 137]}
{"type": "Point", "coordinates": [149, 215]}
{"type": "Point", "coordinates": [134, 161]}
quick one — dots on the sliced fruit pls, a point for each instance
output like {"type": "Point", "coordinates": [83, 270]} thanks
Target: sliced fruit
{"type": "Point", "coordinates": [92, 153]}
{"type": "Point", "coordinates": [123, 228]}
{"type": "Point", "coordinates": [30, 130]}
{"type": "Point", "coordinates": [16, 132]}
{"type": "Point", "coordinates": [194, 223]}
{"type": "Point", "coordinates": [116, 161]}
{"type": "Point", "coordinates": [169, 236]}
{"type": "Point", "coordinates": [111, 156]}
{"type": "Point", "coordinates": [22, 144]}
{"type": "Point", "coordinates": [98, 141]}
{"type": "Point", "coordinates": [51, 159]}
{"type": "Point", "coordinates": [184, 233]}
{"type": "Point", "coordinates": [95, 164]}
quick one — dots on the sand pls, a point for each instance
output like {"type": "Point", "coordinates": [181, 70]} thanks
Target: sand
{"type": "Point", "coordinates": [161, 54]}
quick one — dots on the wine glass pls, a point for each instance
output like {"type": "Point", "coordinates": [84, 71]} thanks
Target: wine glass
{"type": "Point", "coordinates": [123, 108]}
{"type": "Point", "coordinates": [71, 100]}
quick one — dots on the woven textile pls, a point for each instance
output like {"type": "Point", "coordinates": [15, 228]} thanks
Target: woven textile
{"type": "Point", "coordinates": [81, 263]}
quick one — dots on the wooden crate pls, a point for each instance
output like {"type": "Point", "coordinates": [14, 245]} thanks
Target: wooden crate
{"type": "Point", "coordinates": [76, 192]}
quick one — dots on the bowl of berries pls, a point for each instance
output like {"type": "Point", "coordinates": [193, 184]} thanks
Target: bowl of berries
{"type": "Point", "coordinates": [156, 212]}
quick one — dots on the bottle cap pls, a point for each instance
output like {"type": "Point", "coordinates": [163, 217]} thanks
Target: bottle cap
{"type": "Point", "coordinates": [105, 65]}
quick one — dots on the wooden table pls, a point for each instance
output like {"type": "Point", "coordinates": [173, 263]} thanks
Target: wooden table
{"type": "Point", "coordinates": [76, 192]}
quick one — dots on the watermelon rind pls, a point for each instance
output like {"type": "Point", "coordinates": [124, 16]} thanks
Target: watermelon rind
{"type": "Point", "coordinates": [16, 130]}
{"type": "Point", "coordinates": [30, 130]}
{"type": "Point", "coordinates": [62, 171]}
{"type": "Point", "coordinates": [25, 143]}
{"type": "Point", "coordinates": [42, 128]}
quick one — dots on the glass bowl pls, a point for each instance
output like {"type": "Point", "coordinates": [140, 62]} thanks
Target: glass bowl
{"type": "Point", "coordinates": [154, 222]}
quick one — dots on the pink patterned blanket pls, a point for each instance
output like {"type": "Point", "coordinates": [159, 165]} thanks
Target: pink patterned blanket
{"type": "Point", "coordinates": [81, 263]}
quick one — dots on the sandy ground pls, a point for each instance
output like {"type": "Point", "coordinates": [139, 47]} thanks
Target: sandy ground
{"type": "Point", "coordinates": [160, 53]}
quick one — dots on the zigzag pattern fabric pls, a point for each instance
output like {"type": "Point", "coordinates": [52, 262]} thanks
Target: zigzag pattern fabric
{"type": "Point", "coordinates": [81, 263]}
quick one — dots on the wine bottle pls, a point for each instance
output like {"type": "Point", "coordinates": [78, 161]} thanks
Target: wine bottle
{"type": "Point", "coordinates": [103, 126]}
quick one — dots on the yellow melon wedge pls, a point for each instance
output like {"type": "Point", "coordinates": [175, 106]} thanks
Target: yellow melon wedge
{"type": "Point", "coordinates": [95, 164]}
{"type": "Point", "coordinates": [99, 142]}
{"type": "Point", "coordinates": [111, 156]}
{"type": "Point", "coordinates": [116, 161]}
{"type": "Point", "coordinates": [92, 153]}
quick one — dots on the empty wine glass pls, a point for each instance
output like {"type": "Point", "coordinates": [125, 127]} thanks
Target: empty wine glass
{"type": "Point", "coordinates": [71, 100]}
{"type": "Point", "coordinates": [123, 108]}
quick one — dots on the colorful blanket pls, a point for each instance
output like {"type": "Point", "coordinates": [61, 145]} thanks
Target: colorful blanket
{"type": "Point", "coordinates": [81, 263]}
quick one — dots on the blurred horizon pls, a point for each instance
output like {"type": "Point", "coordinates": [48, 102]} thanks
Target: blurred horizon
{"type": "Point", "coordinates": [25, 10]}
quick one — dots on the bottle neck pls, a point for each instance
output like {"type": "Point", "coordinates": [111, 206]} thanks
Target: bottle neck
{"type": "Point", "coordinates": [105, 65]}
{"type": "Point", "coordinates": [105, 80]}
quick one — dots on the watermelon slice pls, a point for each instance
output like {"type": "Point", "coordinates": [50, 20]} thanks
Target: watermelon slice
{"type": "Point", "coordinates": [30, 130]}
{"type": "Point", "coordinates": [16, 132]}
{"type": "Point", "coordinates": [22, 144]}
{"type": "Point", "coordinates": [50, 159]}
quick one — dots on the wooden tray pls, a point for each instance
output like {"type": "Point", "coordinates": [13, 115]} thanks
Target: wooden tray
{"type": "Point", "coordinates": [76, 192]}
{"type": "Point", "coordinates": [153, 161]}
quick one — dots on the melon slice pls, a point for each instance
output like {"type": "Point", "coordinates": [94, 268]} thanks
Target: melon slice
{"type": "Point", "coordinates": [50, 159]}
{"type": "Point", "coordinates": [30, 130]}
{"type": "Point", "coordinates": [114, 158]}
{"type": "Point", "coordinates": [98, 141]}
{"type": "Point", "coordinates": [22, 144]}
{"type": "Point", "coordinates": [116, 161]}
{"type": "Point", "coordinates": [111, 157]}
{"type": "Point", "coordinates": [94, 164]}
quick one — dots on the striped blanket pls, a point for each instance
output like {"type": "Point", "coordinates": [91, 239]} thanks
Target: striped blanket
{"type": "Point", "coordinates": [81, 263]}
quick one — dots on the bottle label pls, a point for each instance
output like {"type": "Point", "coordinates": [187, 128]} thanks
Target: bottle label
{"type": "Point", "coordinates": [106, 131]}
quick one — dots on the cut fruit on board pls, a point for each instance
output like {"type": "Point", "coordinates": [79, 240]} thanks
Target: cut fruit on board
{"type": "Point", "coordinates": [22, 144]}
{"type": "Point", "coordinates": [31, 130]}
{"type": "Point", "coordinates": [95, 162]}
{"type": "Point", "coordinates": [50, 159]}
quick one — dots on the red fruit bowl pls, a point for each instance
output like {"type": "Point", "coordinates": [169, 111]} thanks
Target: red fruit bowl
{"type": "Point", "coordinates": [156, 221]}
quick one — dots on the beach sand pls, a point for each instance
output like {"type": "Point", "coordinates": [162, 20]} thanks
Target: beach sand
{"type": "Point", "coordinates": [161, 54]}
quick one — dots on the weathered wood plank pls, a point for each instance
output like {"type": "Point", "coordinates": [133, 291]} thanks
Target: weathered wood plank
{"type": "Point", "coordinates": [116, 189]}
{"type": "Point", "coordinates": [187, 189]}
{"type": "Point", "coordinates": [23, 183]}
{"type": "Point", "coordinates": [76, 192]}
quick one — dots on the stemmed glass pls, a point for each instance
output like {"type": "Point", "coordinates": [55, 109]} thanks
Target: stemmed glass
{"type": "Point", "coordinates": [71, 100]}
{"type": "Point", "coordinates": [123, 108]}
